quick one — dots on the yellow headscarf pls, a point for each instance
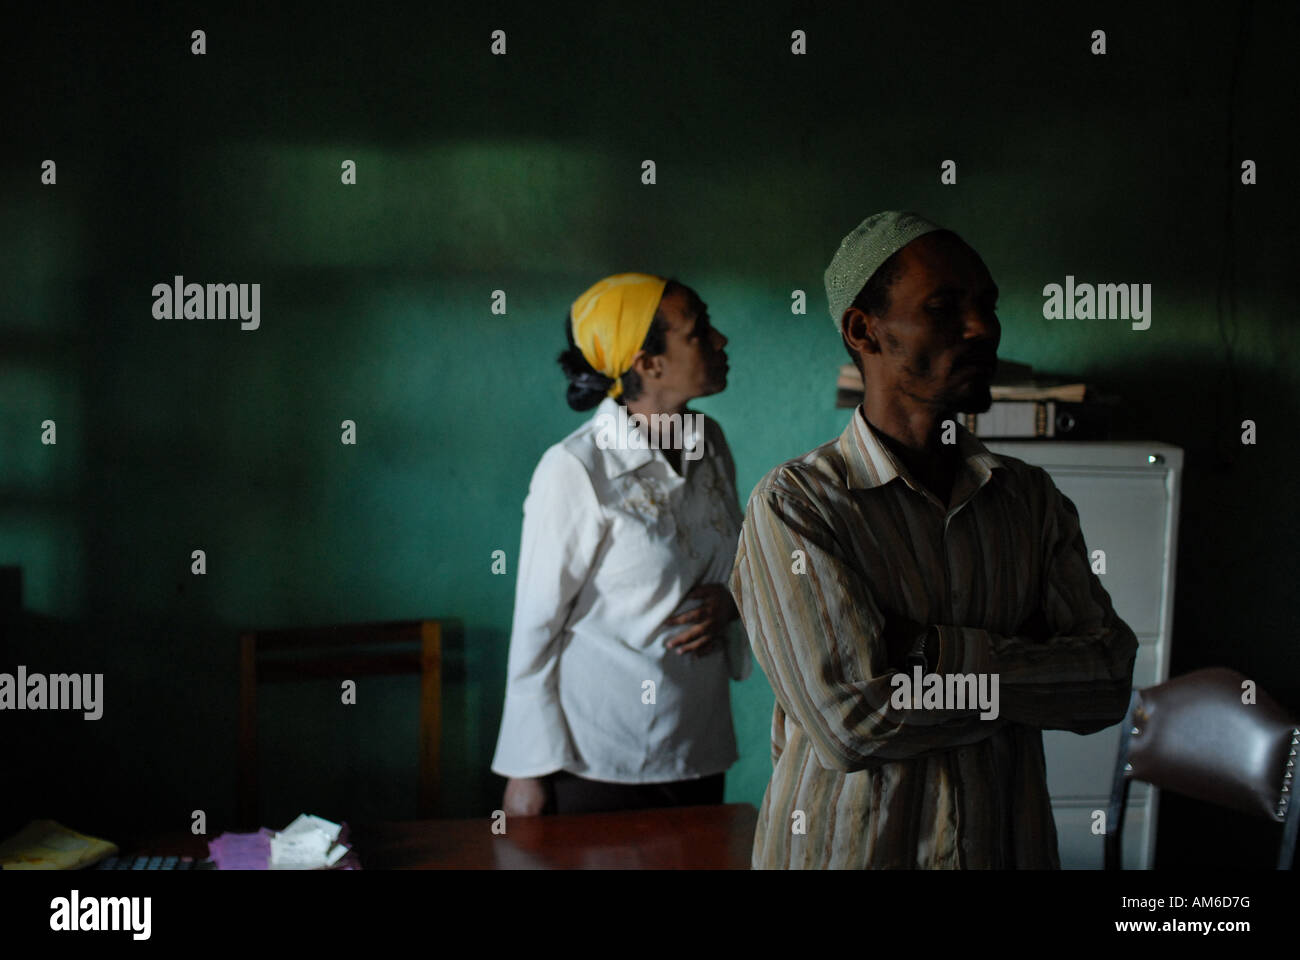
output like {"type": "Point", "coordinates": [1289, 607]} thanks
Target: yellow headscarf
{"type": "Point", "coordinates": [611, 319]}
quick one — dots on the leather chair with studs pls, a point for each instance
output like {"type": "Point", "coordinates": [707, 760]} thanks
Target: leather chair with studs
{"type": "Point", "coordinates": [1195, 736]}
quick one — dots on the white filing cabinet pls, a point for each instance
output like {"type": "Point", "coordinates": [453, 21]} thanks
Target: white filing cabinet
{"type": "Point", "coordinates": [1127, 495]}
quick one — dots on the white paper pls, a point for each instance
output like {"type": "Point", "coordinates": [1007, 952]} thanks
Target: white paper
{"type": "Point", "coordinates": [306, 821]}
{"type": "Point", "coordinates": [309, 843]}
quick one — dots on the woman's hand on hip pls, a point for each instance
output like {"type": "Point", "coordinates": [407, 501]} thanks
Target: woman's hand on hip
{"type": "Point", "coordinates": [707, 621]}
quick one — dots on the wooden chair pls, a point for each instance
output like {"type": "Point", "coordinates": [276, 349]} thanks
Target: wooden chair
{"type": "Point", "coordinates": [345, 651]}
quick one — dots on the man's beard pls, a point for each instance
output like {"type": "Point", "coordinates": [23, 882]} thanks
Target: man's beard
{"type": "Point", "coordinates": [977, 398]}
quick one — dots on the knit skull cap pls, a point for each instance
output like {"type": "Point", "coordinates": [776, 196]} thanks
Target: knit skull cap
{"type": "Point", "coordinates": [861, 253]}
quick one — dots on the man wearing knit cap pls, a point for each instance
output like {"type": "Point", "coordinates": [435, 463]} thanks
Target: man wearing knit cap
{"type": "Point", "coordinates": [904, 549]}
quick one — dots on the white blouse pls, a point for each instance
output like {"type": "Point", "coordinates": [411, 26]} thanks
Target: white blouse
{"type": "Point", "coordinates": [613, 540]}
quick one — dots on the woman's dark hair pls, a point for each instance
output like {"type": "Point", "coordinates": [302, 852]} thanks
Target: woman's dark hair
{"type": "Point", "coordinates": [587, 387]}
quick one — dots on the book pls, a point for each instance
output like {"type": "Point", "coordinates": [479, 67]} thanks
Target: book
{"type": "Point", "coordinates": [1048, 419]}
{"type": "Point", "coordinates": [47, 845]}
{"type": "Point", "coordinates": [1041, 388]}
{"type": "Point", "coordinates": [1011, 381]}
{"type": "Point", "coordinates": [1014, 419]}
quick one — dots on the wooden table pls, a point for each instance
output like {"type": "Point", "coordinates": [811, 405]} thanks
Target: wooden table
{"type": "Point", "coordinates": [709, 837]}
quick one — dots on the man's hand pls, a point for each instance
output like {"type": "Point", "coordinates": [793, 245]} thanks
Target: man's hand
{"type": "Point", "coordinates": [525, 797]}
{"type": "Point", "coordinates": [899, 635]}
{"type": "Point", "coordinates": [709, 619]}
{"type": "Point", "coordinates": [1035, 626]}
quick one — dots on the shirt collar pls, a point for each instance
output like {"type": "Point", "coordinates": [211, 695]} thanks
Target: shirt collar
{"type": "Point", "coordinates": [871, 464]}
{"type": "Point", "coordinates": [624, 459]}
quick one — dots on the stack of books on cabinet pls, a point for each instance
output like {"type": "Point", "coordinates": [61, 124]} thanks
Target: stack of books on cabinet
{"type": "Point", "coordinates": [1025, 405]}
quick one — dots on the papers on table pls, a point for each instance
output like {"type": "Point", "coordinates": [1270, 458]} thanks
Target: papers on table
{"type": "Point", "coordinates": [242, 851]}
{"type": "Point", "coordinates": [309, 843]}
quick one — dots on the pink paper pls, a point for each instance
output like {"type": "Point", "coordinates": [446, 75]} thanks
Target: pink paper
{"type": "Point", "coordinates": [241, 851]}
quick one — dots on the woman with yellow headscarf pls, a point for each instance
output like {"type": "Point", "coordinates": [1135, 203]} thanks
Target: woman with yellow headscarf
{"type": "Point", "coordinates": [624, 639]}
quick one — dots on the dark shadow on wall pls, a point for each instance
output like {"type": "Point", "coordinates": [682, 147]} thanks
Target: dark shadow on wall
{"type": "Point", "coordinates": [167, 748]}
{"type": "Point", "coordinates": [1230, 599]}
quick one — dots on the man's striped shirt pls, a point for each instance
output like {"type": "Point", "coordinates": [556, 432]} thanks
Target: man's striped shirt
{"type": "Point", "coordinates": [834, 541]}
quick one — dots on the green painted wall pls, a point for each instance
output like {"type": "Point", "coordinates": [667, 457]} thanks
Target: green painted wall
{"type": "Point", "coordinates": [521, 173]}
